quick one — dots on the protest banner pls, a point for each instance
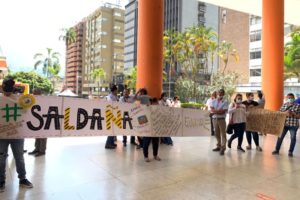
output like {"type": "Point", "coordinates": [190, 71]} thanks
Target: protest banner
{"type": "Point", "coordinates": [265, 121]}
{"type": "Point", "coordinates": [66, 116]}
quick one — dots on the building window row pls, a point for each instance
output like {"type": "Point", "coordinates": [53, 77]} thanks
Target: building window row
{"type": "Point", "coordinates": [255, 54]}
{"type": "Point", "coordinates": [255, 36]}
{"type": "Point", "coordinates": [255, 72]}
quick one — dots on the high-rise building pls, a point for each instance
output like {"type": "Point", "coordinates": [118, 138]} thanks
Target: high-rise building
{"type": "Point", "coordinates": [244, 31]}
{"type": "Point", "coordinates": [3, 65]}
{"type": "Point", "coordinates": [131, 27]}
{"type": "Point", "coordinates": [103, 48]}
{"type": "Point", "coordinates": [234, 28]}
{"type": "Point", "coordinates": [178, 15]}
{"type": "Point", "coordinates": [74, 59]}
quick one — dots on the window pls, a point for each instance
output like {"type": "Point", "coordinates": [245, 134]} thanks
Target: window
{"type": "Point", "coordinates": [117, 41]}
{"type": "Point", "coordinates": [224, 15]}
{"type": "Point", "coordinates": [117, 27]}
{"type": "Point", "coordinates": [255, 54]}
{"type": "Point", "coordinates": [255, 20]}
{"type": "Point", "coordinates": [255, 72]}
{"type": "Point", "coordinates": [117, 14]}
{"type": "Point", "coordinates": [255, 36]}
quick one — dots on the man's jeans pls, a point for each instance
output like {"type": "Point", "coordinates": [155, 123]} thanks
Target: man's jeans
{"type": "Point", "coordinates": [293, 132]}
{"type": "Point", "coordinates": [17, 147]}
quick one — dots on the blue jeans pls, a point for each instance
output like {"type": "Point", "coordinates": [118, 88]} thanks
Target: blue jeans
{"type": "Point", "coordinates": [293, 132]}
{"type": "Point", "coordinates": [17, 147]}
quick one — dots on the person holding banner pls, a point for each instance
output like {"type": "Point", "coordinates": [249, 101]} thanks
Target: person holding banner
{"type": "Point", "coordinates": [292, 111]}
{"type": "Point", "coordinates": [113, 96]}
{"type": "Point", "coordinates": [219, 108]}
{"type": "Point", "coordinates": [40, 143]}
{"type": "Point", "coordinates": [163, 101]}
{"type": "Point", "coordinates": [250, 103]}
{"type": "Point", "coordinates": [154, 140]}
{"type": "Point", "coordinates": [237, 112]}
{"type": "Point", "coordinates": [126, 98]}
{"type": "Point", "coordinates": [16, 145]}
{"type": "Point", "coordinates": [143, 98]}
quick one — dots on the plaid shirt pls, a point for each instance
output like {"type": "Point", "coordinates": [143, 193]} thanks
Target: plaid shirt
{"type": "Point", "coordinates": [291, 121]}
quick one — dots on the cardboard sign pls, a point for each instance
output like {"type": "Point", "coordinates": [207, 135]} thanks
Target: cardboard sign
{"type": "Point", "coordinates": [265, 121]}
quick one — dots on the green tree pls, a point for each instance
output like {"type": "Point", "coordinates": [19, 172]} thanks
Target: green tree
{"type": "Point", "coordinates": [292, 55]}
{"type": "Point", "coordinates": [69, 36]}
{"type": "Point", "coordinates": [226, 51]}
{"type": "Point", "coordinates": [34, 80]}
{"type": "Point", "coordinates": [227, 81]}
{"type": "Point", "coordinates": [171, 51]}
{"type": "Point", "coordinates": [98, 75]}
{"type": "Point", "coordinates": [50, 62]}
{"type": "Point", "coordinates": [130, 78]}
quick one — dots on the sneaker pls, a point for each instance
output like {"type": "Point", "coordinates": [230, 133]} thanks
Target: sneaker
{"type": "Point", "coordinates": [2, 186]}
{"type": "Point", "coordinates": [275, 152]}
{"type": "Point", "coordinates": [216, 149]}
{"type": "Point", "coordinates": [25, 183]}
{"type": "Point", "coordinates": [248, 147]}
{"type": "Point", "coordinates": [258, 148]}
{"type": "Point", "coordinates": [290, 154]}
{"type": "Point", "coordinates": [222, 152]}
{"type": "Point", "coordinates": [241, 149]}
{"type": "Point", "coordinates": [147, 160]}
{"type": "Point", "coordinates": [157, 158]}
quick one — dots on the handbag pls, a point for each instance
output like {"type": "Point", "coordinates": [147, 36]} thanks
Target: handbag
{"type": "Point", "coordinates": [230, 126]}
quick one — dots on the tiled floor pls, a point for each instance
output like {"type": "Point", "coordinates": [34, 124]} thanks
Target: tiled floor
{"type": "Point", "coordinates": [80, 168]}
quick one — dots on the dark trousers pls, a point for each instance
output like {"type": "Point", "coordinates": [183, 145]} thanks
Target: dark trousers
{"type": "Point", "coordinates": [212, 126]}
{"type": "Point", "coordinates": [140, 139]}
{"type": "Point", "coordinates": [293, 132]}
{"type": "Point", "coordinates": [238, 133]}
{"type": "Point", "coordinates": [40, 144]}
{"type": "Point", "coordinates": [110, 141]}
{"type": "Point", "coordinates": [17, 147]}
{"type": "Point", "coordinates": [146, 143]}
{"type": "Point", "coordinates": [132, 139]}
{"type": "Point", "coordinates": [249, 135]}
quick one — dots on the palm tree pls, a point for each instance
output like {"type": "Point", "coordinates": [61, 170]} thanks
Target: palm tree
{"type": "Point", "coordinates": [98, 74]}
{"type": "Point", "coordinates": [225, 52]}
{"type": "Point", "coordinates": [69, 36]}
{"type": "Point", "coordinates": [50, 62]}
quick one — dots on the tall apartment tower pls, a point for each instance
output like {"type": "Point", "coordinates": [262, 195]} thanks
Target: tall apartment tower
{"type": "Point", "coordinates": [103, 48]}
{"type": "Point", "coordinates": [74, 58]}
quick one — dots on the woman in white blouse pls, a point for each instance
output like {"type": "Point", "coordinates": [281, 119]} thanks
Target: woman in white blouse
{"type": "Point", "coordinates": [237, 113]}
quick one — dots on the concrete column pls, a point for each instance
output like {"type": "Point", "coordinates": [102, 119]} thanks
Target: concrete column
{"type": "Point", "coordinates": [273, 53]}
{"type": "Point", "coordinates": [150, 46]}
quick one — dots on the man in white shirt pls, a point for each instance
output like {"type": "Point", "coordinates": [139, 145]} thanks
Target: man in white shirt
{"type": "Point", "coordinates": [219, 108]}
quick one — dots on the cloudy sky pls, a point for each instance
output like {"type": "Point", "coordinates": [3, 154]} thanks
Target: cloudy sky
{"type": "Point", "coordinates": [29, 27]}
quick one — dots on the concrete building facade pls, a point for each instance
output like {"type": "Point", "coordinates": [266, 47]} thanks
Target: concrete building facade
{"type": "Point", "coordinates": [74, 57]}
{"type": "Point", "coordinates": [103, 48]}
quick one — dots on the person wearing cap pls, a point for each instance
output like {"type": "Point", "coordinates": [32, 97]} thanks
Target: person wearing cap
{"type": "Point", "coordinates": [16, 145]}
{"type": "Point", "coordinates": [218, 110]}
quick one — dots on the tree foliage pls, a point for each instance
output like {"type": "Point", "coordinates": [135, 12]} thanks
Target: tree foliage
{"type": "Point", "coordinates": [227, 81]}
{"type": "Point", "coordinates": [130, 79]}
{"type": "Point", "coordinates": [292, 55]}
{"type": "Point", "coordinates": [49, 61]}
{"type": "Point", "coordinates": [69, 36]}
{"type": "Point", "coordinates": [34, 80]}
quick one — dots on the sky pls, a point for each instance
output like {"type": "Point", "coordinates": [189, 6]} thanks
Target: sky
{"type": "Point", "coordinates": [28, 27]}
